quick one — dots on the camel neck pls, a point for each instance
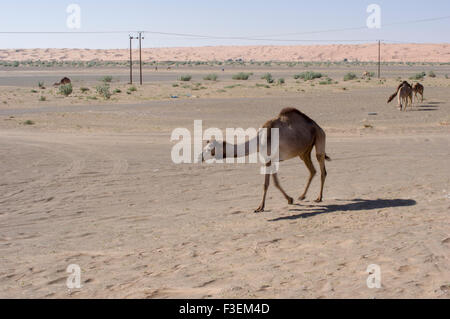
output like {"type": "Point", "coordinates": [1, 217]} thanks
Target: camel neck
{"type": "Point", "coordinates": [240, 150]}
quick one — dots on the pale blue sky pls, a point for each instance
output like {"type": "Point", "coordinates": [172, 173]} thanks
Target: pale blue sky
{"type": "Point", "coordinates": [231, 18]}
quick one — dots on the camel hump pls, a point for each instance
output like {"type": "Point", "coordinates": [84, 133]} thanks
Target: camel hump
{"type": "Point", "coordinates": [290, 111]}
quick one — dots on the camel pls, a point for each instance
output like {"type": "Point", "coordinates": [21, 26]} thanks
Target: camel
{"type": "Point", "coordinates": [63, 81]}
{"type": "Point", "coordinates": [298, 135]}
{"type": "Point", "coordinates": [405, 94]}
{"type": "Point", "coordinates": [418, 89]}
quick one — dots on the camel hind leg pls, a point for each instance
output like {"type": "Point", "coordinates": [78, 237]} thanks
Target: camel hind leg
{"type": "Point", "coordinates": [321, 156]}
{"type": "Point", "coordinates": [312, 172]}
{"type": "Point", "coordinates": [400, 106]}
{"type": "Point", "coordinates": [323, 175]}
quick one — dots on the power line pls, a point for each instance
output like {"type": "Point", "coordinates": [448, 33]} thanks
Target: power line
{"type": "Point", "coordinates": [247, 38]}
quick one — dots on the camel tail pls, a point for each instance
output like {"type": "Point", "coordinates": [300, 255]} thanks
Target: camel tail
{"type": "Point", "coordinates": [320, 144]}
{"type": "Point", "coordinates": [392, 97]}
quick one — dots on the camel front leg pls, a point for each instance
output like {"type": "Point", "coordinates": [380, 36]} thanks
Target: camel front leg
{"type": "Point", "coordinates": [277, 185]}
{"type": "Point", "coordinates": [260, 209]}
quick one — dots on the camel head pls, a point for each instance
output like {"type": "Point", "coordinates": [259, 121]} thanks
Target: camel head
{"type": "Point", "coordinates": [213, 150]}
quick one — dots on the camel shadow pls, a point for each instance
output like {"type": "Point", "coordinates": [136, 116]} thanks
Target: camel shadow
{"type": "Point", "coordinates": [426, 108]}
{"type": "Point", "coordinates": [355, 205]}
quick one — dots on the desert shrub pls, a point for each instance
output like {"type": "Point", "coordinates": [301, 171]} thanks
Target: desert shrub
{"type": "Point", "coordinates": [84, 90]}
{"type": "Point", "coordinates": [308, 76]}
{"type": "Point", "coordinates": [186, 78]}
{"type": "Point", "coordinates": [350, 76]}
{"type": "Point", "coordinates": [418, 76]}
{"type": "Point", "coordinates": [66, 89]}
{"type": "Point", "coordinates": [28, 122]}
{"type": "Point", "coordinates": [242, 76]}
{"type": "Point", "coordinates": [431, 74]}
{"type": "Point", "coordinates": [117, 91]}
{"type": "Point", "coordinates": [262, 86]}
{"type": "Point", "coordinates": [41, 85]}
{"type": "Point", "coordinates": [42, 99]}
{"type": "Point", "coordinates": [232, 86]}
{"type": "Point", "coordinates": [107, 79]}
{"type": "Point", "coordinates": [103, 90]}
{"type": "Point", "coordinates": [281, 81]}
{"type": "Point", "coordinates": [326, 82]}
{"type": "Point", "coordinates": [175, 85]}
{"type": "Point", "coordinates": [34, 91]}
{"type": "Point", "coordinates": [211, 77]}
{"type": "Point", "coordinates": [132, 89]}
{"type": "Point", "coordinates": [268, 77]}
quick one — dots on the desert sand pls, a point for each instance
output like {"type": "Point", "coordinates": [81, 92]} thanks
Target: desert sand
{"type": "Point", "coordinates": [93, 184]}
{"type": "Point", "coordinates": [337, 52]}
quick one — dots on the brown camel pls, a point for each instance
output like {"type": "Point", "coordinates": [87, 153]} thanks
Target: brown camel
{"type": "Point", "coordinates": [63, 81]}
{"type": "Point", "coordinates": [298, 135]}
{"type": "Point", "coordinates": [418, 89]}
{"type": "Point", "coordinates": [405, 94]}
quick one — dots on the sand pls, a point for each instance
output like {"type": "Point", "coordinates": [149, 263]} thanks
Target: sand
{"type": "Point", "coordinates": [94, 185]}
{"type": "Point", "coordinates": [337, 52]}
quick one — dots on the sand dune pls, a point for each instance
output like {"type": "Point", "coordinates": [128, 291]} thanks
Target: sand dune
{"type": "Point", "coordinates": [336, 52]}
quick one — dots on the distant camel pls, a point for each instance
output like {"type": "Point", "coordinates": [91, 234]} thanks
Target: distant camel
{"type": "Point", "coordinates": [418, 89]}
{"type": "Point", "coordinates": [405, 94]}
{"type": "Point", "coordinates": [366, 74]}
{"type": "Point", "coordinates": [298, 135]}
{"type": "Point", "coordinates": [63, 81]}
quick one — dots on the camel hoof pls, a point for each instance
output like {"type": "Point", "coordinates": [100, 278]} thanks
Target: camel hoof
{"type": "Point", "coordinates": [319, 200]}
{"type": "Point", "coordinates": [259, 210]}
{"type": "Point", "coordinates": [290, 201]}
{"type": "Point", "coordinates": [302, 197]}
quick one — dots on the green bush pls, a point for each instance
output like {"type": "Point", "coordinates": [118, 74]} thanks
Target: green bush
{"type": "Point", "coordinates": [84, 90]}
{"type": "Point", "coordinates": [281, 81]}
{"type": "Point", "coordinates": [186, 78]}
{"type": "Point", "coordinates": [28, 122]}
{"type": "Point", "coordinates": [350, 76]}
{"type": "Point", "coordinates": [117, 91]}
{"type": "Point", "coordinates": [103, 90]}
{"type": "Point", "coordinates": [418, 76]}
{"type": "Point", "coordinates": [326, 82]}
{"type": "Point", "coordinates": [242, 76]}
{"type": "Point", "coordinates": [107, 79]}
{"type": "Point", "coordinates": [42, 99]}
{"type": "Point", "coordinates": [132, 89]}
{"type": "Point", "coordinates": [66, 89]}
{"type": "Point", "coordinates": [431, 74]}
{"type": "Point", "coordinates": [268, 77]}
{"type": "Point", "coordinates": [308, 75]}
{"type": "Point", "coordinates": [41, 85]}
{"type": "Point", "coordinates": [211, 77]}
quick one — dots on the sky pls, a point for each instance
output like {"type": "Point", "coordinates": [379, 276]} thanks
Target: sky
{"type": "Point", "coordinates": [230, 18]}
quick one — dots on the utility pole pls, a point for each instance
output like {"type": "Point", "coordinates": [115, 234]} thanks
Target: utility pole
{"type": "Point", "coordinates": [379, 59]}
{"type": "Point", "coordinates": [140, 55]}
{"type": "Point", "coordinates": [131, 59]}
